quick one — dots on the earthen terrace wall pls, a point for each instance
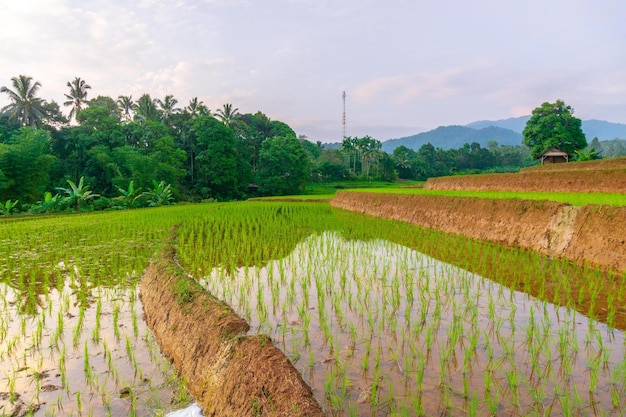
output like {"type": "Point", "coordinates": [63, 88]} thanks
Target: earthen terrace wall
{"type": "Point", "coordinates": [593, 235]}
{"type": "Point", "coordinates": [605, 180]}
{"type": "Point", "coordinates": [227, 372]}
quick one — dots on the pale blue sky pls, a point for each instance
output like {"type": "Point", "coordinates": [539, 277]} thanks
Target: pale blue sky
{"type": "Point", "coordinates": [406, 65]}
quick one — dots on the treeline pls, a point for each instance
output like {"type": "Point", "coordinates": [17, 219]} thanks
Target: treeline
{"type": "Point", "coordinates": [197, 155]}
{"type": "Point", "coordinates": [125, 153]}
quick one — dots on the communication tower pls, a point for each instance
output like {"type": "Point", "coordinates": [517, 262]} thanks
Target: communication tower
{"type": "Point", "coordinates": [344, 116]}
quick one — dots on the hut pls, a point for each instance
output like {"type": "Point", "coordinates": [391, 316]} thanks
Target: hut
{"type": "Point", "coordinates": [554, 156]}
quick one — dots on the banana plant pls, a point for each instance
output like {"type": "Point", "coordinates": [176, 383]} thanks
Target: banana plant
{"type": "Point", "coordinates": [130, 197]}
{"type": "Point", "coordinates": [160, 195]}
{"type": "Point", "coordinates": [78, 194]}
{"type": "Point", "coordinates": [49, 203]}
{"type": "Point", "coordinates": [8, 207]}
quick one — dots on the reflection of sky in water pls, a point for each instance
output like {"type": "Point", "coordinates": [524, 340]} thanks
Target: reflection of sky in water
{"type": "Point", "coordinates": [31, 349]}
{"type": "Point", "coordinates": [426, 319]}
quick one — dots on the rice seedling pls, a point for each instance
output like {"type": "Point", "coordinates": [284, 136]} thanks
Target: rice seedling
{"type": "Point", "coordinates": [63, 278]}
{"type": "Point", "coordinates": [406, 322]}
{"type": "Point", "coordinates": [382, 323]}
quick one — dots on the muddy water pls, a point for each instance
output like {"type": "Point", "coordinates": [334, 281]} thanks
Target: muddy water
{"type": "Point", "coordinates": [83, 352]}
{"type": "Point", "coordinates": [377, 329]}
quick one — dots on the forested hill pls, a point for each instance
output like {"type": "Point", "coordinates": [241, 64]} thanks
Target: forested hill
{"type": "Point", "coordinates": [592, 128]}
{"type": "Point", "coordinates": [453, 137]}
{"type": "Point", "coordinates": [505, 132]}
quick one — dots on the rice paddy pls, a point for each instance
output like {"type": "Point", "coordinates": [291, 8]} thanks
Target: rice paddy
{"type": "Point", "coordinates": [72, 338]}
{"type": "Point", "coordinates": [573, 198]}
{"type": "Point", "coordinates": [377, 328]}
{"type": "Point", "coordinates": [380, 317]}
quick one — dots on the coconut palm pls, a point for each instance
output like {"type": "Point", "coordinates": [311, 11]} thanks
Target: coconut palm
{"type": "Point", "coordinates": [145, 109]}
{"type": "Point", "coordinates": [227, 114]}
{"type": "Point", "coordinates": [77, 96]}
{"type": "Point", "coordinates": [197, 108]}
{"type": "Point", "coordinates": [26, 108]}
{"type": "Point", "coordinates": [126, 105]}
{"type": "Point", "coordinates": [167, 107]}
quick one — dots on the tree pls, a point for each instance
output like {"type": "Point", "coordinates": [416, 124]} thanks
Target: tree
{"type": "Point", "coordinates": [167, 107]}
{"type": "Point", "coordinates": [284, 166]}
{"type": "Point", "coordinates": [227, 114]}
{"type": "Point", "coordinates": [218, 173]}
{"type": "Point", "coordinates": [126, 106]}
{"type": "Point", "coordinates": [130, 197]}
{"type": "Point", "coordinates": [553, 125]}
{"type": "Point", "coordinates": [25, 164]}
{"type": "Point", "coordinates": [197, 108]}
{"type": "Point", "coordinates": [26, 108]}
{"type": "Point", "coordinates": [77, 96]}
{"type": "Point", "coordinates": [145, 109]}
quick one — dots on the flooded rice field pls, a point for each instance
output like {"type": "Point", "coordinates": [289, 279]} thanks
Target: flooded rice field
{"type": "Point", "coordinates": [379, 329]}
{"type": "Point", "coordinates": [84, 353]}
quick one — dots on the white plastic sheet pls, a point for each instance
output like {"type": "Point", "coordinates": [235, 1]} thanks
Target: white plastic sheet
{"type": "Point", "coordinates": [192, 411]}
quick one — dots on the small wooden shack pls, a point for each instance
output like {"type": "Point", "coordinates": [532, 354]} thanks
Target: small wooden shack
{"type": "Point", "coordinates": [554, 156]}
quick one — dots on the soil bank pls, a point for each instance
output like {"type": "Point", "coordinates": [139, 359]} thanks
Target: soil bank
{"type": "Point", "coordinates": [608, 177]}
{"type": "Point", "coordinates": [591, 235]}
{"type": "Point", "coordinates": [227, 372]}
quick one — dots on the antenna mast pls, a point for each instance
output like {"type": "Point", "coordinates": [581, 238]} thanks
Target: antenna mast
{"type": "Point", "coordinates": [344, 115]}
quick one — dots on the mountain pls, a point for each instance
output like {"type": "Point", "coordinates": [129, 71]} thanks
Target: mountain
{"type": "Point", "coordinates": [603, 130]}
{"type": "Point", "coordinates": [516, 124]}
{"type": "Point", "coordinates": [593, 128]}
{"type": "Point", "coordinates": [504, 131]}
{"type": "Point", "coordinates": [454, 137]}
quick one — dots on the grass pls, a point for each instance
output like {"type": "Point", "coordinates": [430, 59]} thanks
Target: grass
{"type": "Point", "coordinates": [574, 199]}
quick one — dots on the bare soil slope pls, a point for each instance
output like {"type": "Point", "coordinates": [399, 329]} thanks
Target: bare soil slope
{"type": "Point", "coordinates": [608, 176]}
{"type": "Point", "coordinates": [227, 372]}
{"type": "Point", "coordinates": [593, 235]}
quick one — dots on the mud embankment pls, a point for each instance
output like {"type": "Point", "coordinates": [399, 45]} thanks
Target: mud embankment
{"type": "Point", "coordinates": [580, 166]}
{"type": "Point", "coordinates": [610, 180]}
{"type": "Point", "coordinates": [592, 235]}
{"type": "Point", "coordinates": [227, 372]}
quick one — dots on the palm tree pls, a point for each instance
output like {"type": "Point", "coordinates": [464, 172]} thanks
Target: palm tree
{"type": "Point", "coordinates": [197, 108]}
{"type": "Point", "coordinates": [126, 105]}
{"type": "Point", "coordinates": [77, 96]}
{"type": "Point", "coordinates": [167, 107]}
{"type": "Point", "coordinates": [145, 109]}
{"type": "Point", "coordinates": [26, 108]}
{"type": "Point", "coordinates": [227, 114]}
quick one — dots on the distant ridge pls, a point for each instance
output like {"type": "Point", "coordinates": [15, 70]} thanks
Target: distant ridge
{"type": "Point", "coordinates": [504, 131]}
{"type": "Point", "coordinates": [454, 137]}
{"type": "Point", "coordinates": [516, 124]}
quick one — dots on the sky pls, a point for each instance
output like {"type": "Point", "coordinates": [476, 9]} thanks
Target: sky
{"type": "Point", "coordinates": [406, 66]}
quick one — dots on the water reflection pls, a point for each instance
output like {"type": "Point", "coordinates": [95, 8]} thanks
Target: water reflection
{"type": "Point", "coordinates": [377, 328]}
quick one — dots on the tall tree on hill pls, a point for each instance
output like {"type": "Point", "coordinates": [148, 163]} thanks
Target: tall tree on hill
{"type": "Point", "coordinates": [25, 108]}
{"type": "Point", "coordinates": [553, 125]}
{"type": "Point", "coordinates": [77, 96]}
